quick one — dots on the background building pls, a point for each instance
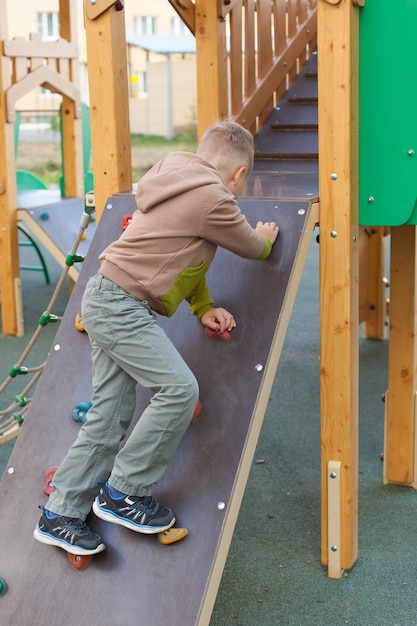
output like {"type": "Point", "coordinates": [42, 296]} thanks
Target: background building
{"type": "Point", "coordinates": [161, 63]}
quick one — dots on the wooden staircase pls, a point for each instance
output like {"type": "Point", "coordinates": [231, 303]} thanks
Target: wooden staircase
{"type": "Point", "coordinates": [290, 131]}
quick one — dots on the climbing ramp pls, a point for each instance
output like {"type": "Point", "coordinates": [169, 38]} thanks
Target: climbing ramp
{"type": "Point", "coordinates": [205, 481]}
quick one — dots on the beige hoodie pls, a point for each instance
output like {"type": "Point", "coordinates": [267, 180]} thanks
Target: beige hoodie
{"type": "Point", "coordinates": [184, 212]}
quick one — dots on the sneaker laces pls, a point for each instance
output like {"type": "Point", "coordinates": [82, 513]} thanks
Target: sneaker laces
{"type": "Point", "coordinates": [74, 522]}
{"type": "Point", "coordinates": [144, 503]}
{"type": "Point", "coordinates": [78, 525]}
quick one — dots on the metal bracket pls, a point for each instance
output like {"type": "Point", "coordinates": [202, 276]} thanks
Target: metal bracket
{"type": "Point", "coordinates": [225, 6]}
{"type": "Point", "coordinates": [95, 8]}
{"type": "Point", "coordinates": [334, 548]}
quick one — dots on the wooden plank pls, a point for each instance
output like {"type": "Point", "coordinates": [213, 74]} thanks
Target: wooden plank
{"type": "Point", "coordinates": [37, 48]}
{"type": "Point", "coordinates": [235, 55]}
{"type": "Point", "coordinates": [250, 55]}
{"type": "Point", "coordinates": [210, 466]}
{"type": "Point", "coordinates": [71, 124]}
{"type": "Point", "coordinates": [279, 185]}
{"type": "Point", "coordinates": [9, 251]}
{"type": "Point", "coordinates": [185, 9]}
{"type": "Point", "coordinates": [109, 104]}
{"type": "Point", "coordinates": [211, 59]}
{"type": "Point", "coordinates": [264, 36]}
{"type": "Point", "coordinates": [280, 26]}
{"type": "Point", "coordinates": [372, 309]}
{"type": "Point", "coordinates": [400, 408]}
{"type": "Point", "coordinates": [42, 75]}
{"type": "Point", "coordinates": [339, 261]}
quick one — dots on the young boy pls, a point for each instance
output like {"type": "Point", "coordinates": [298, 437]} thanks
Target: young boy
{"type": "Point", "coordinates": [186, 208]}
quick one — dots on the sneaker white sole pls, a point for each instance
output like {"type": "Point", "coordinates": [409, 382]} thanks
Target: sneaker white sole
{"type": "Point", "coordinates": [52, 541]}
{"type": "Point", "coordinates": [108, 516]}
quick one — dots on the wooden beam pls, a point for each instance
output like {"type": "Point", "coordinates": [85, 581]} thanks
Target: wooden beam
{"type": "Point", "coordinates": [372, 309]}
{"type": "Point", "coordinates": [109, 104]}
{"type": "Point", "coordinates": [339, 266]}
{"type": "Point", "coordinates": [186, 11]}
{"type": "Point", "coordinates": [71, 124]}
{"type": "Point", "coordinates": [210, 34]}
{"type": "Point", "coordinates": [402, 370]}
{"type": "Point", "coordinates": [10, 291]}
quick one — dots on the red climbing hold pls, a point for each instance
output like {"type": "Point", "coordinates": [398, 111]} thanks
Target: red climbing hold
{"type": "Point", "coordinates": [216, 334]}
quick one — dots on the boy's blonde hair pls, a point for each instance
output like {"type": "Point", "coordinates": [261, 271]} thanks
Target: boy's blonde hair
{"type": "Point", "coordinates": [227, 144]}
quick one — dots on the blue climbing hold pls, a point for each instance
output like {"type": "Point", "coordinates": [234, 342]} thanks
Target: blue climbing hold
{"type": "Point", "coordinates": [80, 411]}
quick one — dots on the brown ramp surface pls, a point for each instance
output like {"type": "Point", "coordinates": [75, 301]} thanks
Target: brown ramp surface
{"type": "Point", "coordinates": [137, 580]}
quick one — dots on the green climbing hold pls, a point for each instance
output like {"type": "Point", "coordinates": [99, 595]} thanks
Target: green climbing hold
{"type": "Point", "coordinates": [47, 317]}
{"type": "Point", "coordinates": [17, 370]}
{"type": "Point", "coordinates": [73, 258]}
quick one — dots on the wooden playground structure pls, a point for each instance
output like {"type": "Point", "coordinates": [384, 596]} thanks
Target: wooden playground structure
{"type": "Point", "coordinates": [274, 39]}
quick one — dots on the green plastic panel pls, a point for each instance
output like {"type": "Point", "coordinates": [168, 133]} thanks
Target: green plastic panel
{"type": "Point", "coordinates": [388, 113]}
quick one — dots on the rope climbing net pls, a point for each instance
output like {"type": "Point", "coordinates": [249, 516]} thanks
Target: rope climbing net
{"type": "Point", "coordinates": [12, 417]}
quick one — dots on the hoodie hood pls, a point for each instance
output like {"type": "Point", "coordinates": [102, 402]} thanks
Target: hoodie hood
{"type": "Point", "coordinates": [178, 173]}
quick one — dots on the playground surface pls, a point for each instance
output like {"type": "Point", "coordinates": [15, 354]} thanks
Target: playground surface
{"type": "Point", "coordinates": [273, 574]}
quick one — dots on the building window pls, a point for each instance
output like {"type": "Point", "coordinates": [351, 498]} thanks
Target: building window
{"type": "Point", "coordinates": [178, 27]}
{"type": "Point", "coordinates": [142, 85]}
{"type": "Point", "coordinates": [144, 25]}
{"type": "Point", "coordinates": [48, 25]}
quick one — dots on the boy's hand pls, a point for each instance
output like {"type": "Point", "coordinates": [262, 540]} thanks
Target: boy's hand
{"type": "Point", "coordinates": [218, 319]}
{"type": "Point", "coordinates": [268, 229]}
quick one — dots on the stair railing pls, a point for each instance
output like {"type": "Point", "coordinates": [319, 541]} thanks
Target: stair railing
{"type": "Point", "coordinates": [248, 53]}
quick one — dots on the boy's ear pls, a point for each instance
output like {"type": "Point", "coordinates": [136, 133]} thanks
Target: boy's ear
{"type": "Point", "coordinates": [238, 172]}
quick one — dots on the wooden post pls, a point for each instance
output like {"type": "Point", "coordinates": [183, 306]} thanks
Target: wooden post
{"type": "Point", "coordinates": [12, 322]}
{"type": "Point", "coordinates": [211, 58]}
{"type": "Point", "coordinates": [400, 429]}
{"type": "Point", "coordinates": [109, 104]}
{"type": "Point", "coordinates": [71, 119]}
{"type": "Point", "coordinates": [339, 264]}
{"type": "Point", "coordinates": [372, 310]}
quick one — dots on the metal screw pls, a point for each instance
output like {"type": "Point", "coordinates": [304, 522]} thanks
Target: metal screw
{"type": "Point", "coordinates": [371, 199]}
{"type": "Point", "coordinates": [93, 1]}
{"type": "Point", "coordinates": [259, 367]}
{"type": "Point", "coordinates": [411, 152]}
{"type": "Point", "coordinates": [10, 470]}
{"type": "Point", "coordinates": [57, 347]}
{"type": "Point", "coordinates": [333, 234]}
{"type": "Point", "coordinates": [109, 206]}
{"type": "Point", "coordinates": [333, 176]}
{"type": "Point", "coordinates": [301, 211]}
{"type": "Point", "coordinates": [333, 548]}
{"type": "Point", "coordinates": [220, 506]}
{"type": "Point", "coordinates": [333, 475]}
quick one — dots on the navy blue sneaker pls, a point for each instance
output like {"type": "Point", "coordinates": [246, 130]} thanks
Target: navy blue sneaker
{"type": "Point", "coordinates": [141, 514]}
{"type": "Point", "coordinates": [69, 533]}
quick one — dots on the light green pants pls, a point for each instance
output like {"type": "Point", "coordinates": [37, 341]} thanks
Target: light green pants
{"type": "Point", "coordinates": [128, 347]}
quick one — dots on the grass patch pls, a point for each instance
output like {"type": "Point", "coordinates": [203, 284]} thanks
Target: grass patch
{"type": "Point", "coordinates": [44, 158]}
